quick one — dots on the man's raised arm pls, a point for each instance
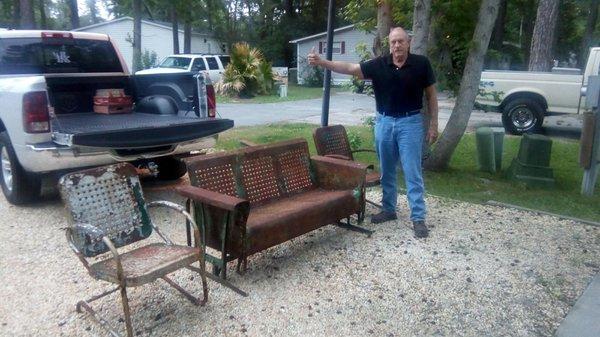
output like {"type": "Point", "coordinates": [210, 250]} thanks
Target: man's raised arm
{"type": "Point", "coordinates": [335, 66]}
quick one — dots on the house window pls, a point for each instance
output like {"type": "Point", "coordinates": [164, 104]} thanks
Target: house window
{"type": "Point", "coordinates": [339, 47]}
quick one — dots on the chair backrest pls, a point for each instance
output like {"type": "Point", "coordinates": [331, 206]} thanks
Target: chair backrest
{"type": "Point", "coordinates": [258, 173]}
{"type": "Point", "coordinates": [332, 140]}
{"type": "Point", "coordinates": [106, 200]}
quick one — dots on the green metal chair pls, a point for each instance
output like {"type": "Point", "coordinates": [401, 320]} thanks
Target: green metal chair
{"type": "Point", "coordinates": [332, 141]}
{"type": "Point", "coordinates": [107, 211]}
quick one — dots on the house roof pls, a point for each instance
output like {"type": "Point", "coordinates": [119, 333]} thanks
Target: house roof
{"type": "Point", "coordinates": [166, 25]}
{"type": "Point", "coordinates": [311, 37]}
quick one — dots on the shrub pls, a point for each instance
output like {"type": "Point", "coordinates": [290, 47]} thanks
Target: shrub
{"type": "Point", "coordinates": [149, 59]}
{"type": "Point", "coordinates": [311, 76]}
{"type": "Point", "coordinates": [248, 74]}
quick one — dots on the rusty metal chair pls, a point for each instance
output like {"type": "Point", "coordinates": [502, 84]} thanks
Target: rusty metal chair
{"type": "Point", "coordinates": [332, 141]}
{"type": "Point", "coordinates": [107, 210]}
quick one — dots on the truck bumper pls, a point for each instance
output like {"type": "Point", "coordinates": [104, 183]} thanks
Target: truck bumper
{"type": "Point", "coordinates": [48, 156]}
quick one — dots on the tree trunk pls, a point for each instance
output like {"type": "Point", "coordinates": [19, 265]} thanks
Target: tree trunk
{"type": "Point", "coordinates": [74, 13]}
{"type": "Point", "coordinates": [175, 29]}
{"type": "Point", "coordinates": [420, 27]}
{"type": "Point", "coordinates": [137, 35]}
{"type": "Point", "coordinates": [588, 34]}
{"type": "Point", "coordinates": [16, 14]}
{"type": "Point", "coordinates": [209, 10]}
{"type": "Point", "coordinates": [26, 10]}
{"type": "Point", "coordinates": [498, 34]}
{"type": "Point", "coordinates": [43, 18]}
{"type": "Point", "coordinates": [93, 11]}
{"type": "Point", "coordinates": [457, 124]}
{"type": "Point", "coordinates": [540, 58]}
{"type": "Point", "coordinates": [187, 37]}
{"type": "Point", "coordinates": [529, 10]}
{"type": "Point", "coordinates": [384, 23]}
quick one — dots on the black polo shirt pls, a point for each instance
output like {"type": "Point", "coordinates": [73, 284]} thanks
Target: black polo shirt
{"type": "Point", "coordinates": [398, 89]}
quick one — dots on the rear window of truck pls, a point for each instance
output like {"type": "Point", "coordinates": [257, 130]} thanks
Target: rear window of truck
{"type": "Point", "coordinates": [37, 56]}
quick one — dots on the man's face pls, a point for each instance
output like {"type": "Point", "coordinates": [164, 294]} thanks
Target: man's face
{"type": "Point", "coordinates": [399, 43]}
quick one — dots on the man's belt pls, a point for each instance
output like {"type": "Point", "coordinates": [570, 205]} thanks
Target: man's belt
{"type": "Point", "coordinates": [396, 114]}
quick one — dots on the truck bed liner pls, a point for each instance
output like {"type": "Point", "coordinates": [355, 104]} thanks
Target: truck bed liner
{"type": "Point", "coordinates": [132, 130]}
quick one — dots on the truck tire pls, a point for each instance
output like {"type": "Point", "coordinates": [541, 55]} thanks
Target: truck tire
{"type": "Point", "coordinates": [170, 168]}
{"type": "Point", "coordinates": [19, 187]}
{"type": "Point", "coordinates": [522, 115]}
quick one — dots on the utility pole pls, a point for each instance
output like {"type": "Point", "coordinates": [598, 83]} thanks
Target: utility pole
{"type": "Point", "coordinates": [329, 56]}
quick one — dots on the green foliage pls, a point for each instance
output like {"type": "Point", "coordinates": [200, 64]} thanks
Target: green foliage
{"type": "Point", "coordinates": [357, 85]}
{"type": "Point", "coordinates": [311, 76]}
{"type": "Point", "coordinates": [354, 140]}
{"type": "Point", "coordinates": [149, 59]}
{"type": "Point", "coordinates": [364, 13]}
{"type": "Point", "coordinates": [247, 73]}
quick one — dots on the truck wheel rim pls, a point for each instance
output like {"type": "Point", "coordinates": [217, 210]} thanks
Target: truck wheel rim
{"type": "Point", "coordinates": [6, 169]}
{"type": "Point", "coordinates": [522, 118]}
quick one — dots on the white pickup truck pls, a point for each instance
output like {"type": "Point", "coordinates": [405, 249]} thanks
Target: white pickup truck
{"type": "Point", "coordinates": [48, 84]}
{"type": "Point", "coordinates": [524, 98]}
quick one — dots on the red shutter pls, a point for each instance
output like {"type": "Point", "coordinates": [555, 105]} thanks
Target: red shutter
{"type": "Point", "coordinates": [343, 47]}
{"type": "Point", "coordinates": [320, 47]}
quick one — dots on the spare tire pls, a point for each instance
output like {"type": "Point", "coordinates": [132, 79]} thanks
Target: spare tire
{"type": "Point", "coordinates": [170, 168]}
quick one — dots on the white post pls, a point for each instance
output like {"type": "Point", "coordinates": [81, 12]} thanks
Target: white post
{"type": "Point", "coordinates": [592, 102]}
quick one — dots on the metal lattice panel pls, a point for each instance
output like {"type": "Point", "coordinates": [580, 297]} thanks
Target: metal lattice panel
{"type": "Point", "coordinates": [260, 179]}
{"type": "Point", "coordinates": [218, 178]}
{"type": "Point", "coordinates": [295, 170]}
{"type": "Point", "coordinates": [106, 202]}
{"type": "Point", "coordinates": [335, 143]}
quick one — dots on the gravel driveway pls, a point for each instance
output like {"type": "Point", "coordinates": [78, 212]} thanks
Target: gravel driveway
{"type": "Point", "coordinates": [484, 271]}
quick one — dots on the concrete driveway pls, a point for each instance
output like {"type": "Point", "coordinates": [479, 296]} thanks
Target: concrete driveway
{"type": "Point", "coordinates": [350, 109]}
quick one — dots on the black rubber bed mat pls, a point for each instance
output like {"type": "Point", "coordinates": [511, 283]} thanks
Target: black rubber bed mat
{"type": "Point", "coordinates": [133, 130]}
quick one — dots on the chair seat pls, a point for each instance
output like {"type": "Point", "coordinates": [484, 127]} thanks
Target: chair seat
{"type": "Point", "coordinates": [268, 225]}
{"type": "Point", "coordinates": [372, 179]}
{"type": "Point", "coordinates": [145, 264]}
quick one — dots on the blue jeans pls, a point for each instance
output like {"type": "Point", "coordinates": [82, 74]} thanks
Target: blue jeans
{"type": "Point", "coordinates": [401, 139]}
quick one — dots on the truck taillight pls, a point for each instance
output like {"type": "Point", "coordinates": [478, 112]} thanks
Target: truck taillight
{"type": "Point", "coordinates": [212, 101]}
{"type": "Point", "coordinates": [35, 112]}
{"type": "Point", "coordinates": [57, 35]}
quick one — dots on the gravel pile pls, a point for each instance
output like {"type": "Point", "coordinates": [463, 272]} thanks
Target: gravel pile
{"type": "Point", "coordinates": [484, 271]}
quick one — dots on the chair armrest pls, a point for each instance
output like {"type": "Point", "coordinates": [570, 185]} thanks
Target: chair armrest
{"type": "Point", "coordinates": [338, 156]}
{"type": "Point", "coordinates": [71, 243]}
{"type": "Point", "coordinates": [211, 198]}
{"type": "Point", "coordinates": [333, 173]}
{"type": "Point", "coordinates": [117, 259]}
{"type": "Point", "coordinates": [180, 209]}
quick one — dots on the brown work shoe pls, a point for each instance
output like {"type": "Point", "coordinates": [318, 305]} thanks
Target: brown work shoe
{"type": "Point", "coordinates": [420, 229]}
{"type": "Point", "coordinates": [383, 216]}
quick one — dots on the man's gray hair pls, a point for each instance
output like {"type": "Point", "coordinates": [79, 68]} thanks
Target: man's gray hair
{"type": "Point", "coordinates": [408, 32]}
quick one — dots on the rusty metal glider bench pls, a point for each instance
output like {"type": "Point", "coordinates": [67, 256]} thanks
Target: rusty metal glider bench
{"type": "Point", "coordinates": [260, 196]}
{"type": "Point", "coordinates": [332, 141]}
{"type": "Point", "coordinates": [107, 210]}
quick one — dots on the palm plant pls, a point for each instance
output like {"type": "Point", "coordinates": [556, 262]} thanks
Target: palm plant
{"type": "Point", "coordinates": [247, 73]}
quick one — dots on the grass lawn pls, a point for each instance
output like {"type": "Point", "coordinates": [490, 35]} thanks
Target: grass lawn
{"type": "Point", "coordinates": [295, 93]}
{"type": "Point", "coordinates": [462, 181]}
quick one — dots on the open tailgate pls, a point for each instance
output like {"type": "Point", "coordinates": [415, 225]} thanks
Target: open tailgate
{"type": "Point", "coordinates": [133, 130]}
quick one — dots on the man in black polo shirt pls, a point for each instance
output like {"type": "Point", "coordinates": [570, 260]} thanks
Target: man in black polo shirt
{"type": "Point", "coordinates": [399, 81]}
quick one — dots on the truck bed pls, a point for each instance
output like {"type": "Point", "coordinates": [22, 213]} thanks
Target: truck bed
{"type": "Point", "coordinates": [132, 130]}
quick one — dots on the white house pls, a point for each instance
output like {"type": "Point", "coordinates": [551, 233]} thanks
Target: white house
{"type": "Point", "coordinates": [345, 40]}
{"type": "Point", "coordinates": [156, 36]}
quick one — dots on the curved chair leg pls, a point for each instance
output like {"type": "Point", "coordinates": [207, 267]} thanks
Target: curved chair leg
{"type": "Point", "coordinates": [125, 302]}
